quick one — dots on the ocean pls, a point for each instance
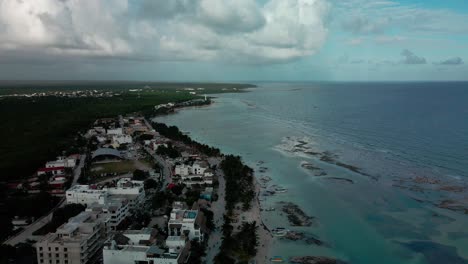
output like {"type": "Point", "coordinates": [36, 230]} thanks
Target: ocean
{"type": "Point", "coordinates": [382, 167]}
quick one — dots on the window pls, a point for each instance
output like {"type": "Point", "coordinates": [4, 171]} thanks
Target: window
{"type": "Point", "coordinates": [40, 248]}
{"type": "Point", "coordinates": [41, 255]}
{"type": "Point", "coordinates": [65, 249]}
{"type": "Point", "coordinates": [56, 249]}
{"type": "Point", "coordinates": [57, 255]}
{"type": "Point", "coordinates": [41, 261]}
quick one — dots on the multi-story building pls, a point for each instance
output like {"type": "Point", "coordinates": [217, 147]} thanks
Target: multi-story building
{"type": "Point", "coordinates": [139, 246]}
{"type": "Point", "coordinates": [75, 242]}
{"type": "Point", "coordinates": [114, 211]}
{"type": "Point", "coordinates": [199, 167]}
{"type": "Point", "coordinates": [69, 162]}
{"type": "Point", "coordinates": [133, 191]}
{"type": "Point", "coordinates": [122, 139]}
{"type": "Point", "coordinates": [86, 195]}
{"type": "Point", "coordinates": [115, 131]}
{"type": "Point", "coordinates": [184, 222]}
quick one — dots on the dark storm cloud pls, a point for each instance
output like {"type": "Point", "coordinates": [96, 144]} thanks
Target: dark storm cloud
{"type": "Point", "coordinates": [452, 61]}
{"type": "Point", "coordinates": [411, 58]}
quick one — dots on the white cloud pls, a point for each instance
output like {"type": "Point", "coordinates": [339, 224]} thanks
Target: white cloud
{"type": "Point", "coordinates": [241, 31]}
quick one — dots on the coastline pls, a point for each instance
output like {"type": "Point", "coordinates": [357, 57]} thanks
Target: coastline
{"type": "Point", "coordinates": [310, 183]}
{"type": "Point", "coordinates": [265, 237]}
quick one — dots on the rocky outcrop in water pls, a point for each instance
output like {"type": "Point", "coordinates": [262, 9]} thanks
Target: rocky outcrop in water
{"type": "Point", "coordinates": [296, 216]}
{"type": "Point", "coordinates": [300, 236]}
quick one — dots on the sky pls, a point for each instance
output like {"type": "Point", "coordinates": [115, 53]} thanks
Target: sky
{"type": "Point", "coordinates": [234, 40]}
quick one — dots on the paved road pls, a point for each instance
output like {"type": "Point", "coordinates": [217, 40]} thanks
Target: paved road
{"type": "Point", "coordinates": [77, 171]}
{"type": "Point", "coordinates": [28, 231]}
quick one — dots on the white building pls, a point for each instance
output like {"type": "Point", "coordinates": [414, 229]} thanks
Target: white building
{"type": "Point", "coordinates": [84, 194]}
{"type": "Point", "coordinates": [114, 211]}
{"type": "Point", "coordinates": [185, 223]}
{"type": "Point", "coordinates": [133, 191]}
{"type": "Point", "coordinates": [122, 139]}
{"type": "Point", "coordinates": [199, 167]}
{"type": "Point", "coordinates": [139, 246]}
{"type": "Point", "coordinates": [75, 242]}
{"type": "Point", "coordinates": [61, 162]}
{"type": "Point", "coordinates": [115, 131]}
{"type": "Point", "coordinates": [182, 170]}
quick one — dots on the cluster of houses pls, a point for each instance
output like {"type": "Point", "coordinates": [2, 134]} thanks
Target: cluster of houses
{"type": "Point", "coordinates": [143, 246]}
{"type": "Point", "coordinates": [69, 94]}
{"type": "Point", "coordinates": [84, 236]}
{"type": "Point", "coordinates": [193, 172]}
{"type": "Point", "coordinates": [54, 177]}
{"type": "Point", "coordinates": [114, 137]}
{"type": "Point", "coordinates": [97, 231]}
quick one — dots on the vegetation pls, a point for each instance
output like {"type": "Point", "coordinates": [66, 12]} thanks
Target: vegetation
{"type": "Point", "coordinates": [60, 216]}
{"type": "Point", "coordinates": [39, 128]}
{"type": "Point", "coordinates": [173, 132]}
{"type": "Point", "coordinates": [209, 218]}
{"type": "Point", "coordinates": [197, 252]}
{"type": "Point", "coordinates": [112, 168]}
{"type": "Point", "coordinates": [23, 205]}
{"type": "Point", "coordinates": [191, 196]}
{"type": "Point", "coordinates": [162, 198]}
{"type": "Point", "coordinates": [241, 246]}
{"type": "Point", "coordinates": [168, 151]}
{"type": "Point", "coordinates": [151, 184]}
{"type": "Point", "coordinates": [22, 253]}
{"type": "Point", "coordinates": [140, 175]}
{"type": "Point", "coordinates": [239, 183]}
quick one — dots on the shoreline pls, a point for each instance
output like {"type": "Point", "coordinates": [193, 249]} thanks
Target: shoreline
{"type": "Point", "coordinates": [265, 237]}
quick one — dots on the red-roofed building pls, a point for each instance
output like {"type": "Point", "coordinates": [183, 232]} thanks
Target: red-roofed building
{"type": "Point", "coordinates": [51, 171]}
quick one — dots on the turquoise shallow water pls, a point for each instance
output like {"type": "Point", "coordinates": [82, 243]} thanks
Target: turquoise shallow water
{"type": "Point", "coordinates": [391, 131]}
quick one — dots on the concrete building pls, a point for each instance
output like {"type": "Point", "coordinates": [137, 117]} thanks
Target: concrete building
{"type": "Point", "coordinates": [115, 131]}
{"type": "Point", "coordinates": [62, 162]}
{"type": "Point", "coordinates": [139, 246]}
{"type": "Point", "coordinates": [186, 223]}
{"type": "Point", "coordinates": [127, 189]}
{"type": "Point", "coordinates": [114, 211]}
{"type": "Point", "coordinates": [133, 191]}
{"type": "Point", "coordinates": [182, 169]}
{"type": "Point", "coordinates": [122, 139]}
{"type": "Point", "coordinates": [75, 242]}
{"type": "Point", "coordinates": [51, 171]}
{"type": "Point", "coordinates": [84, 194]}
{"type": "Point", "coordinates": [199, 167]}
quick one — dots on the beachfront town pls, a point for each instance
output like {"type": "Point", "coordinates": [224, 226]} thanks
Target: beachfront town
{"type": "Point", "coordinates": [133, 196]}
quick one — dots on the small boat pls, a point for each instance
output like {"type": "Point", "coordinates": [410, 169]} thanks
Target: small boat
{"type": "Point", "coordinates": [270, 209]}
{"type": "Point", "coordinates": [277, 259]}
{"type": "Point", "coordinates": [279, 231]}
{"type": "Point", "coordinates": [265, 178]}
{"type": "Point", "coordinates": [280, 190]}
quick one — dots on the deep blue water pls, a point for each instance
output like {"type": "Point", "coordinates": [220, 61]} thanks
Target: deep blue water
{"type": "Point", "coordinates": [393, 131]}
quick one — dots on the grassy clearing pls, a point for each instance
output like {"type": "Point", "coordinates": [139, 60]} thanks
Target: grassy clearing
{"type": "Point", "coordinates": [113, 167]}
